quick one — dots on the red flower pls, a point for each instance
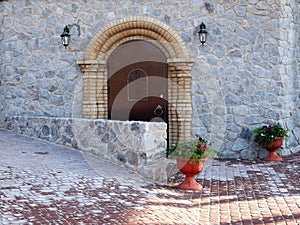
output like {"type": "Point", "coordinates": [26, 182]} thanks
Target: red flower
{"type": "Point", "coordinates": [204, 150]}
{"type": "Point", "coordinates": [199, 144]}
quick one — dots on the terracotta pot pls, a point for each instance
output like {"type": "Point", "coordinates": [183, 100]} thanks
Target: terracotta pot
{"type": "Point", "coordinates": [190, 169]}
{"type": "Point", "coordinates": [272, 148]}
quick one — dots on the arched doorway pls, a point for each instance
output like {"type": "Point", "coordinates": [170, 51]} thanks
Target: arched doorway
{"type": "Point", "coordinates": [176, 57]}
{"type": "Point", "coordinates": [137, 83]}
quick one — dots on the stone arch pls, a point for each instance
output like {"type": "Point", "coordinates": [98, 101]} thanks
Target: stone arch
{"type": "Point", "coordinates": [94, 68]}
{"type": "Point", "coordinates": [136, 28]}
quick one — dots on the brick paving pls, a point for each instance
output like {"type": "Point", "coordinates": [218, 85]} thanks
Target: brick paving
{"type": "Point", "coordinates": [42, 183]}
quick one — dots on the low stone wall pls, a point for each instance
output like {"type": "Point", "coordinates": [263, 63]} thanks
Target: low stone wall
{"type": "Point", "coordinates": [139, 146]}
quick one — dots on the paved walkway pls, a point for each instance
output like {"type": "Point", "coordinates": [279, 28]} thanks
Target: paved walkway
{"type": "Point", "coordinates": [42, 183]}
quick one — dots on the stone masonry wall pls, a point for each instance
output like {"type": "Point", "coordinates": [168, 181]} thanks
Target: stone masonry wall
{"type": "Point", "coordinates": [138, 146]}
{"type": "Point", "coordinates": [246, 75]}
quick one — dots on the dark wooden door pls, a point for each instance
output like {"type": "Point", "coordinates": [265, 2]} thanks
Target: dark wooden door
{"type": "Point", "coordinates": [137, 88]}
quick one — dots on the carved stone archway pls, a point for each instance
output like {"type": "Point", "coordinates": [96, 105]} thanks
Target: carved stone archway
{"type": "Point", "coordinates": [94, 68]}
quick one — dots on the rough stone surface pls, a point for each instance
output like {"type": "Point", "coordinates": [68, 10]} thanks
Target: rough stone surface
{"type": "Point", "coordinates": [248, 68]}
{"type": "Point", "coordinates": [42, 183]}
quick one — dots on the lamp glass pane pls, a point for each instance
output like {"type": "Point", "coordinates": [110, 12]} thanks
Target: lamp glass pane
{"type": "Point", "coordinates": [65, 40]}
{"type": "Point", "coordinates": [202, 37]}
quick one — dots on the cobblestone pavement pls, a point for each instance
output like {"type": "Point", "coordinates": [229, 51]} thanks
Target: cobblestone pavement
{"type": "Point", "coordinates": [42, 183]}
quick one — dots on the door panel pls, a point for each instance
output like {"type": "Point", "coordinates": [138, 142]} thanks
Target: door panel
{"type": "Point", "coordinates": [138, 92]}
{"type": "Point", "coordinates": [154, 110]}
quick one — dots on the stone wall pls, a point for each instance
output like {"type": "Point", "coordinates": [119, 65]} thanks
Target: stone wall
{"type": "Point", "coordinates": [139, 146]}
{"type": "Point", "coordinates": [246, 75]}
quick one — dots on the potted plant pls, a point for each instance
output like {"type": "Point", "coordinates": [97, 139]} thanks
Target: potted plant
{"type": "Point", "coordinates": [190, 158]}
{"type": "Point", "coordinates": [270, 137]}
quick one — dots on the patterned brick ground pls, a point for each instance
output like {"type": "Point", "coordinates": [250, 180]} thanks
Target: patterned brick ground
{"type": "Point", "coordinates": [251, 192]}
{"type": "Point", "coordinates": [42, 183]}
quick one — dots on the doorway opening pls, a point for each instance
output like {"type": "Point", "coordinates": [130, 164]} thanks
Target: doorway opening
{"type": "Point", "coordinates": [137, 83]}
{"type": "Point", "coordinates": [116, 52]}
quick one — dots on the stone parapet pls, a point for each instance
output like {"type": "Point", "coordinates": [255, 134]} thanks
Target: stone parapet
{"type": "Point", "coordinates": [138, 146]}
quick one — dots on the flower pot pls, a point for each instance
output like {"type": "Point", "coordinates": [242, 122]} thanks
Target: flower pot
{"type": "Point", "coordinates": [190, 169]}
{"type": "Point", "coordinates": [272, 148]}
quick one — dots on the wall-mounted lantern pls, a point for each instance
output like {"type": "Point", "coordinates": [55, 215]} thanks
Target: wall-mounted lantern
{"type": "Point", "coordinates": [65, 36]}
{"type": "Point", "coordinates": [202, 33]}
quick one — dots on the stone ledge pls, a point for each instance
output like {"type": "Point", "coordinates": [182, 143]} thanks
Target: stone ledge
{"type": "Point", "coordinates": [138, 146]}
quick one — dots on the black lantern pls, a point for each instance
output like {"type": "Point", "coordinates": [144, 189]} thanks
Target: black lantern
{"type": "Point", "coordinates": [65, 36]}
{"type": "Point", "coordinates": [202, 33]}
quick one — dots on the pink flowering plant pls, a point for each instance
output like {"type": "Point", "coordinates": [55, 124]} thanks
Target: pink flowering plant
{"type": "Point", "coordinates": [195, 149]}
{"type": "Point", "coordinates": [267, 134]}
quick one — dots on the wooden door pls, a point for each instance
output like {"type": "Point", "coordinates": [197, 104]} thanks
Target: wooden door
{"type": "Point", "coordinates": [137, 84]}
